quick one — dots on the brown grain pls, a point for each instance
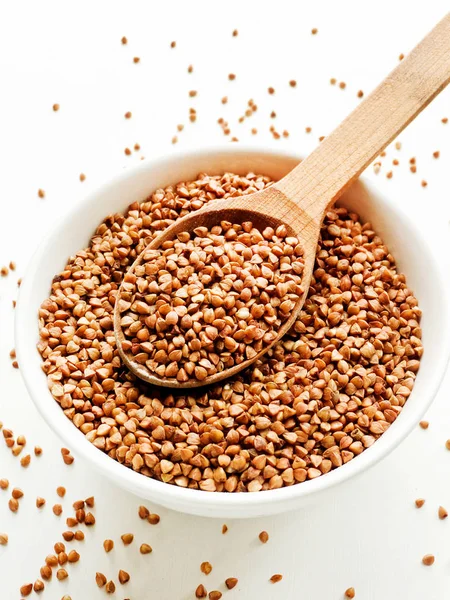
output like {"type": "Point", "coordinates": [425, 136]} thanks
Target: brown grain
{"type": "Point", "coordinates": [17, 493]}
{"type": "Point", "coordinates": [428, 560]}
{"type": "Point", "coordinates": [201, 592]}
{"type": "Point", "coordinates": [264, 537]}
{"type": "Point", "coordinates": [127, 538]}
{"type": "Point", "coordinates": [231, 582]}
{"type": "Point", "coordinates": [61, 574]}
{"type": "Point", "coordinates": [13, 505]}
{"type": "Point", "coordinates": [46, 572]}
{"type": "Point", "coordinates": [442, 513]}
{"type": "Point", "coordinates": [206, 568]}
{"type": "Point", "coordinates": [73, 556]}
{"type": "Point", "coordinates": [26, 589]}
{"type": "Point", "coordinates": [38, 586]}
{"type": "Point", "coordinates": [123, 577]}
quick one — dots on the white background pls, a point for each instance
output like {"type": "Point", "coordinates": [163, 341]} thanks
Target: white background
{"type": "Point", "coordinates": [366, 534]}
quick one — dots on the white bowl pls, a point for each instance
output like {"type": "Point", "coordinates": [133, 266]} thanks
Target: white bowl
{"type": "Point", "coordinates": [414, 257]}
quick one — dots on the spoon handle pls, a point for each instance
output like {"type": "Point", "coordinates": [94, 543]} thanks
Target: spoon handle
{"type": "Point", "coordinates": [320, 179]}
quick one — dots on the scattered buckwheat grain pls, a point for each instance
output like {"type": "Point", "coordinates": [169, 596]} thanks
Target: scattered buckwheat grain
{"type": "Point", "coordinates": [264, 537]}
{"type": "Point", "coordinates": [108, 545]}
{"type": "Point", "coordinates": [419, 502]}
{"type": "Point", "coordinates": [61, 574]}
{"type": "Point", "coordinates": [26, 589]}
{"type": "Point", "coordinates": [276, 578]}
{"type": "Point", "coordinates": [424, 424]}
{"type": "Point", "coordinates": [428, 560]}
{"type": "Point", "coordinates": [231, 582]}
{"type": "Point", "coordinates": [201, 592]}
{"type": "Point", "coordinates": [46, 572]}
{"type": "Point", "coordinates": [61, 491]}
{"type": "Point", "coordinates": [127, 538]}
{"type": "Point", "coordinates": [443, 514]}
{"type": "Point", "coordinates": [38, 586]}
{"type": "Point", "coordinates": [145, 549]}
{"type": "Point", "coordinates": [350, 592]}
{"type": "Point", "coordinates": [123, 577]}
{"type": "Point", "coordinates": [206, 568]}
{"type": "Point", "coordinates": [51, 560]}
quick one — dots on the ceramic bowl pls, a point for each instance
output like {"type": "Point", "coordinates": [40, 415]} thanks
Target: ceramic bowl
{"type": "Point", "coordinates": [414, 257]}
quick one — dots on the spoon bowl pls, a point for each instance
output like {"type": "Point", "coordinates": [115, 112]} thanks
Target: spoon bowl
{"type": "Point", "coordinates": [236, 210]}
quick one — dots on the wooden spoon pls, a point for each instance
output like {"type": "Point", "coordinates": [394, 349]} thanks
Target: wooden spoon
{"type": "Point", "coordinates": [302, 197]}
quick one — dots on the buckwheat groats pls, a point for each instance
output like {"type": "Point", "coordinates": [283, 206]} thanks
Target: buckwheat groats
{"type": "Point", "coordinates": [210, 299]}
{"type": "Point", "coordinates": [318, 398]}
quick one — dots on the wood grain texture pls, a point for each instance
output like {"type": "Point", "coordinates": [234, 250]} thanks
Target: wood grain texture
{"type": "Point", "coordinates": [301, 198]}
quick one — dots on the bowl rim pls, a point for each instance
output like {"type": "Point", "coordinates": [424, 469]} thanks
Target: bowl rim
{"type": "Point", "coordinates": [163, 493]}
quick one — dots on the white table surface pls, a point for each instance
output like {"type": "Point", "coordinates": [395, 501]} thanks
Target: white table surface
{"type": "Point", "coordinates": [365, 534]}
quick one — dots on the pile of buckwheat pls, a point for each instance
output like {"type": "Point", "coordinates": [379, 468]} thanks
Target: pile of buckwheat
{"type": "Point", "coordinates": [209, 299]}
{"type": "Point", "coordinates": [317, 399]}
